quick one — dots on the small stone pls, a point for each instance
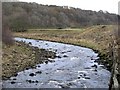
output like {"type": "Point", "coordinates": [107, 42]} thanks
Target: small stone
{"type": "Point", "coordinates": [14, 51]}
{"type": "Point", "coordinates": [36, 81]}
{"type": "Point", "coordinates": [38, 72]}
{"type": "Point", "coordinates": [30, 43]}
{"type": "Point", "coordinates": [94, 66]}
{"type": "Point", "coordinates": [95, 70]}
{"type": "Point", "coordinates": [14, 79]}
{"type": "Point", "coordinates": [87, 68]}
{"type": "Point", "coordinates": [84, 74]}
{"type": "Point", "coordinates": [32, 74]}
{"type": "Point", "coordinates": [27, 68]}
{"type": "Point", "coordinates": [12, 82]}
{"type": "Point", "coordinates": [38, 66]}
{"type": "Point", "coordinates": [58, 56]}
{"type": "Point", "coordinates": [64, 86]}
{"type": "Point", "coordinates": [46, 62]}
{"type": "Point", "coordinates": [65, 56]}
{"type": "Point", "coordinates": [16, 75]}
{"type": "Point", "coordinates": [87, 77]}
{"type": "Point", "coordinates": [78, 77]}
{"type": "Point", "coordinates": [30, 81]}
{"type": "Point", "coordinates": [69, 84]}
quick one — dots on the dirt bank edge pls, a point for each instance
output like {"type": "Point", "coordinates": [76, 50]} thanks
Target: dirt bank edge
{"type": "Point", "coordinates": [22, 56]}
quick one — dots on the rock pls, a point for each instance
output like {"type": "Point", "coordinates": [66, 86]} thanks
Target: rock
{"type": "Point", "coordinates": [94, 66]}
{"type": "Point", "coordinates": [14, 51]}
{"type": "Point", "coordinates": [84, 74]}
{"type": "Point", "coordinates": [51, 61]}
{"type": "Point", "coordinates": [31, 74]}
{"type": "Point", "coordinates": [30, 81]}
{"type": "Point", "coordinates": [64, 86]}
{"type": "Point", "coordinates": [86, 77]}
{"type": "Point", "coordinates": [38, 72]}
{"type": "Point", "coordinates": [16, 75]}
{"type": "Point", "coordinates": [103, 26]}
{"type": "Point", "coordinates": [87, 68]}
{"type": "Point", "coordinates": [27, 68]}
{"type": "Point", "coordinates": [46, 44]}
{"type": "Point", "coordinates": [14, 79]}
{"type": "Point", "coordinates": [30, 43]}
{"type": "Point", "coordinates": [46, 62]}
{"type": "Point", "coordinates": [79, 77]}
{"type": "Point", "coordinates": [12, 82]}
{"type": "Point", "coordinates": [95, 73]}
{"type": "Point", "coordinates": [36, 81]}
{"type": "Point", "coordinates": [69, 84]}
{"type": "Point", "coordinates": [58, 56]}
{"type": "Point", "coordinates": [38, 66]}
{"type": "Point", "coordinates": [95, 70]}
{"type": "Point", "coordinates": [63, 52]}
{"type": "Point", "coordinates": [65, 56]}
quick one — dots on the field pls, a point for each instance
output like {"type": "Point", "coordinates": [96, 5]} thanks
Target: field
{"type": "Point", "coordinates": [99, 38]}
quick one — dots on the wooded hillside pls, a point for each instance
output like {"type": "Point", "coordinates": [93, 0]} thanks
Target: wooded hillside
{"type": "Point", "coordinates": [19, 15]}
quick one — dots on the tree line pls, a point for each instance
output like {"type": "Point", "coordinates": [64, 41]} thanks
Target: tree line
{"type": "Point", "coordinates": [21, 15]}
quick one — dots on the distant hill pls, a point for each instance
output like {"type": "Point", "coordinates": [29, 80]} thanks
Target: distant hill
{"type": "Point", "coordinates": [33, 15]}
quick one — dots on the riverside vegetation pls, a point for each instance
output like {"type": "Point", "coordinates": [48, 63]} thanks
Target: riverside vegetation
{"type": "Point", "coordinates": [97, 37]}
{"type": "Point", "coordinates": [21, 56]}
{"type": "Point", "coordinates": [74, 26]}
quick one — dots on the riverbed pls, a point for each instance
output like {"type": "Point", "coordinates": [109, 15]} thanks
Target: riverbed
{"type": "Point", "coordinates": [74, 67]}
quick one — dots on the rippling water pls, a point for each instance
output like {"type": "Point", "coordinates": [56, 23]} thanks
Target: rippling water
{"type": "Point", "coordinates": [73, 68]}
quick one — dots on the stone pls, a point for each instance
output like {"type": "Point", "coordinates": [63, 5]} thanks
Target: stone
{"type": "Point", "coordinates": [32, 74]}
{"type": "Point", "coordinates": [86, 77]}
{"type": "Point", "coordinates": [65, 56]}
{"type": "Point", "coordinates": [38, 72]}
{"type": "Point", "coordinates": [12, 82]}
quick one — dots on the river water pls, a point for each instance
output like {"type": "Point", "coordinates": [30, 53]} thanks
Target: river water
{"type": "Point", "coordinates": [73, 68]}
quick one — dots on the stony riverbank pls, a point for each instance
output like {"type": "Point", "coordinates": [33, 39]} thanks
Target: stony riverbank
{"type": "Point", "coordinates": [21, 56]}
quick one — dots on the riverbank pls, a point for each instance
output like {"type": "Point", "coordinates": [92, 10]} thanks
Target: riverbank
{"type": "Point", "coordinates": [21, 56]}
{"type": "Point", "coordinates": [97, 38]}
{"type": "Point", "coordinates": [73, 67]}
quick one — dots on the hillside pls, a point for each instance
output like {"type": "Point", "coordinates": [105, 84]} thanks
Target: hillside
{"type": "Point", "coordinates": [21, 15]}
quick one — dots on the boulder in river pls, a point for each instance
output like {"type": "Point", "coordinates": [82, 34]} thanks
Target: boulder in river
{"type": "Point", "coordinates": [31, 74]}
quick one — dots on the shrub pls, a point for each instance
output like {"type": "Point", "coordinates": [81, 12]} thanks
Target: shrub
{"type": "Point", "coordinates": [7, 36]}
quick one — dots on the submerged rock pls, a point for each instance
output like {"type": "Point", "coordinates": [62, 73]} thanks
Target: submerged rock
{"type": "Point", "coordinates": [64, 86]}
{"type": "Point", "coordinates": [31, 74]}
{"type": "Point", "coordinates": [65, 56]}
{"type": "Point", "coordinates": [86, 77]}
{"type": "Point", "coordinates": [38, 72]}
{"type": "Point", "coordinates": [13, 82]}
{"type": "Point", "coordinates": [94, 66]}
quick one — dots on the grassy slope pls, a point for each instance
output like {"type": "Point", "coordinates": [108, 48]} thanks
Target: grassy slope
{"type": "Point", "coordinates": [21, 56]}
{"type": "Point", "coordinates": [95, 37]}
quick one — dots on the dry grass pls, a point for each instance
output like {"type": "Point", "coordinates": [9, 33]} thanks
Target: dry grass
{"type": "Point", "coordinates": [20, 56]}
{"type": "Point", "coordinates": [98, 38]}
{"type": "Point", "coordinates": [95, 37]}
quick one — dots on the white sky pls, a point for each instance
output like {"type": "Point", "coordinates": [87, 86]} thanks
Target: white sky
{"type": "Point", "coordinates": [95, 5]}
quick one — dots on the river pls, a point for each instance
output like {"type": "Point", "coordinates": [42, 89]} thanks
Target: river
{"type": "Point", "coordinates": [73, 68]}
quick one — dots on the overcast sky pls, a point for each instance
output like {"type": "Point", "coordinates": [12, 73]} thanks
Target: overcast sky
{"type": "Point", "coordinates": [95, 5]}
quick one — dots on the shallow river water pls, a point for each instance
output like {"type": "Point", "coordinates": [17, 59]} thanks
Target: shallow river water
{"type": "Point", "coordinates": [73, 68]}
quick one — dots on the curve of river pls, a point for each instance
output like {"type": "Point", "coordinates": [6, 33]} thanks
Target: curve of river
{"type": "Point", "coordinates": [74, 68]}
